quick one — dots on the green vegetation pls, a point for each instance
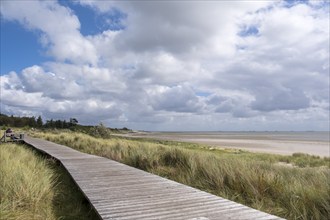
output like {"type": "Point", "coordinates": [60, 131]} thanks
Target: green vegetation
{"type": "Point", "coordinates": [33, 122]}
{"type": "Point", "coordinates": [34, 187]}
{"type": "Point", "coordinates": [293, 187]}
{"type": "Point", "coordinates": [12, 121]}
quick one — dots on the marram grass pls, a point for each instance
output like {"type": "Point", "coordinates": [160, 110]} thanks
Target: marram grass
{"type": "Point", "coordinates": [293, 187]}
{"type": "Point", "coordinates": [24, 194]}
{"type": "Point", "coordinates": [34, 187]}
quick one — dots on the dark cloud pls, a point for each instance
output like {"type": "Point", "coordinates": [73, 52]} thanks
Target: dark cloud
{"type": "Point", "coordinates": [175, 99]}
{"type": "Point", "coordinates": [270, 100]}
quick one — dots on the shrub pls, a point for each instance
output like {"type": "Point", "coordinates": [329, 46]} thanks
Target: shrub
{"type": "Point", "coordinates": [100, 131]}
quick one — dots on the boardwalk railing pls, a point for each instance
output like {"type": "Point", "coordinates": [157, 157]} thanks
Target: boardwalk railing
{"type": "Point", "coordinates": [118, 191]}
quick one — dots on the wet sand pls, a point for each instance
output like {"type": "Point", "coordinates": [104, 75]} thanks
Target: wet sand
{"type": "Point", "coordinates": [285, 143]}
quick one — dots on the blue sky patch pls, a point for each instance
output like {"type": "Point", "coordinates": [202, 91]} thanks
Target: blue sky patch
{"type": "Point", "coordinates": [93, 22]}
{"type": "Point", "coordinates": [19, 47]}
{"type": "Point", "coordinates": [203, 94]}
{"type": "Point", "coordinates": [248, 31]}
{"type": "Point", "coordinates": [290, 3]}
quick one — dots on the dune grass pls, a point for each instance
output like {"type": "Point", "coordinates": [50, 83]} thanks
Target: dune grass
{"type": "Point", "coordinates": [35, 187]}
{"type": "Point", "coordinates": [21, 196]}
{"type": "Point", "coordinates": [293, 187]}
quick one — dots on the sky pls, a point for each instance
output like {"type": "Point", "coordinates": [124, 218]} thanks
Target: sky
{"type": "Point", "coordinates": [168, 65]}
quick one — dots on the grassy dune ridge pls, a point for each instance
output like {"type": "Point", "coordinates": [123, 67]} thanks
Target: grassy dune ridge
{"type": "Point", "coordinates": [293, 187]}
{"type": "Point", "coordinates": [36, 187]}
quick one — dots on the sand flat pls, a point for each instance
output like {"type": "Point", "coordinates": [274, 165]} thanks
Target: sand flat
{"type": "Point", "coordinates": [285, 143]}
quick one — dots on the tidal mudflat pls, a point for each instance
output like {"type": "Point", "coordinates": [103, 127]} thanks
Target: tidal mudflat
{"type": "Point", "coordinates": [285, 143]}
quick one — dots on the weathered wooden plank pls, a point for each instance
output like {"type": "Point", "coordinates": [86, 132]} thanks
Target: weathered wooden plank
{"type": "Point", "coordinates": [118, 191]}
{"type": "Point", "coordinates": [136, 204]}
{"type": "Point", "coordinates": [161, 206]}
{"type": "Point", "coordinates": [154, 196]}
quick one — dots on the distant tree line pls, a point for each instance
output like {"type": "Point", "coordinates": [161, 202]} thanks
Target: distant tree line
{"type": "Point", "coordinates": [33, 122]}
{"type": "Point", "coordinates": [37, 122]}
{"type": "Point", "coordinates": [60, 124]}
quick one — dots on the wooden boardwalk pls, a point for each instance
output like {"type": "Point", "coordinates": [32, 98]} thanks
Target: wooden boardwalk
{"type": "Point", "coordinates": [118, 191]}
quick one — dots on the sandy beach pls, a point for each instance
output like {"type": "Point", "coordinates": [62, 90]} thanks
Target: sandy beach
{"type": "Point", "coordinates": [285, 143]}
